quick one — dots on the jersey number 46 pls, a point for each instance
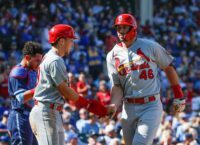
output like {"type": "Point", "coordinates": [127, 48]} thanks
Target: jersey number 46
{"type": "Point", "coordinates": [146, 74]}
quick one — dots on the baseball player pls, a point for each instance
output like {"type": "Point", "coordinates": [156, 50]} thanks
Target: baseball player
{"type": "Point", "coordinates": [22, 80]}
{"type": "Point", "coordinates": [53, 88]}
{"type": "Point", "coordinates": [133, 66]}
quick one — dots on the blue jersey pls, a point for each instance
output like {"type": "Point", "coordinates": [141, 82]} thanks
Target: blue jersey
{"type": "Point", "coordinates": [20, 80]}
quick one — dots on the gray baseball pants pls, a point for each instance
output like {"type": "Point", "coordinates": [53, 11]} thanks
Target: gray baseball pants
{"type": "Point", "coordinates": [47, 125]}
{"type": "Point", "coordinates": [141, 121]}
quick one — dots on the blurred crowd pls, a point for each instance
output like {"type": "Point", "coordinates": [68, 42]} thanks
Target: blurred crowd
{"type": "Point", "coordinates": [175, 26]}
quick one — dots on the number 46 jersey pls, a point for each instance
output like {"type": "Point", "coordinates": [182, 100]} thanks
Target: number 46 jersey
{"type": "Point", "coordinates": [136, 68]}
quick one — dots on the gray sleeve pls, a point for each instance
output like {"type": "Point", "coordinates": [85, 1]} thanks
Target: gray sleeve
{"type": "Point", "coordinates": [162, 57]}
{"type": "Point", "coordinates": [58, 71]}
{"type": "Point", "coordinates": [112, 72]}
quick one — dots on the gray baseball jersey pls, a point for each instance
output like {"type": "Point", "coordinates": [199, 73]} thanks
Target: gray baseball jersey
{"type": "Point", "coordinates": [52, 72]}
{"type": "Point", "coordinates": [136, 68]}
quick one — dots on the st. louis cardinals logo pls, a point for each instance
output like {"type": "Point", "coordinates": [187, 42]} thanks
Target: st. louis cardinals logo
{"type": "Point", "coordinates": [139, 62]}
{"type": "Point", "coordinates": [122, 69]}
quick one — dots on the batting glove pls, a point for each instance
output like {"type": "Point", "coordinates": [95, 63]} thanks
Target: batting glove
{"type": "Point", "coordinates": [179, 105]}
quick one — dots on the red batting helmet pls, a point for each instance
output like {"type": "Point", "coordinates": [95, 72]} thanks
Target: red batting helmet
{"type": "Point", "coordinates": [129, 20]}
{"type": "Point", "coordinates": [61, 31]}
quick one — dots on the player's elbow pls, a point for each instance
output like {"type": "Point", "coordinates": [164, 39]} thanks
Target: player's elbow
{"type": "Point", "coordinates": [169, 69]}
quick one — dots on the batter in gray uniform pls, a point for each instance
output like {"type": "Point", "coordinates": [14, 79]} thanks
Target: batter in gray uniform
{"type": "Point", "coordinates": [133, 66]}
{"type": "Point", "coordinates": [52, 90]}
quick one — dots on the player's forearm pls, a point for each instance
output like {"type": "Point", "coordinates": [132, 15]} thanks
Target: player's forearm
{"type": "Point", "coordinates": [67, 92]}
{"type": "Point", "coordinates": [174, 81]}
{"type": "Point", "coordinates": [25, 96]}
{"type": "Point", "coordinates": [71, 94]}
{"type": "Point", "coordinates": [116, 95]}
{"type": "Point", "coordinates": [80, 102]}
{"type": "Point", "coordinates": [172, 75]}
{"type": "Point", "coordinates": [28, 95]}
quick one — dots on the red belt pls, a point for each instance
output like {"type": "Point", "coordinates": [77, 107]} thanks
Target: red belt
{"type": "Point", "coordinates": [52, 106]}
{"type": "Point", "coordinates": [143, 100]}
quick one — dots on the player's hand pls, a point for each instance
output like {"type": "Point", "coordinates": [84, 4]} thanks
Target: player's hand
{"type": "Point", "coordinates": [179, 105]}
{"type": "Point", "coordinates": [112, 110]}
